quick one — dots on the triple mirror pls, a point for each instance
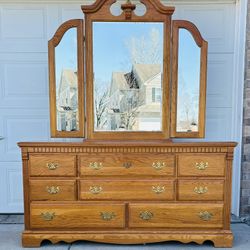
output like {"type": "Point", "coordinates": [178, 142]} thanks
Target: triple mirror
{"type": "Point", "coordinates": [134, 72]}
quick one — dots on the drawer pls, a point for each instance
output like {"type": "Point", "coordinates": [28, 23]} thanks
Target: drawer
{"type": "Point", "coordinates": [126, 190]}
{"type": "Point", "coordinates": [52, 165]}
{"type": "Point", "coordinates": [127, 164]}
{"type": "Point", "coordinates": [194, 190]}
{"type": "Point", "coordinates": [201, 165]}
{"type": "Point", "coordinates": [175, 216]}
{"type": "Point", "coordinates": [56, 190]}
{"type": "Point", "coordinates": [69, 216]}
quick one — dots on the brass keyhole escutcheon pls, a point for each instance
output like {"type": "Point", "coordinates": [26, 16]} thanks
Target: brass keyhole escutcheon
{"type": "Point", "coordinates": [127, 164]}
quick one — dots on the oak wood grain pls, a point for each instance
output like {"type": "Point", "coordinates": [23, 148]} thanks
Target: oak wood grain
{"type": "Point", "coordinates": [127, 190]}
{"type": "Point", "coordinates": [127, 165]}
{"type": "Point", "coordinates": [201, 165]}
{"type": "Point", "coordinates": [224, 239]}
{"type": "Point", "coordinates": [42, 190]}
{"type": "Point", "coordinates": [175, 215]}
{"type": "Point", "coordinates": [67, 216]}
{"type": "Point", "coordinates": [200, 190]}
{"type": "Point", "coordinates": [65, 165]}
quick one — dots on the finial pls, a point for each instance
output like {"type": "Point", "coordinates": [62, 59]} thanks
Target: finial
{"type": "Point", "coordinates": [128, 8]}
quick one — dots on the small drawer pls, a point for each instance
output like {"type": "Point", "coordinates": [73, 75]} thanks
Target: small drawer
{"type": "Point", "coordinates": [72, 216]}
{"type": "Point", "coordinates": [201, 165]}
{"type": "Point", "coordinates": [127, 165]}
{"type": "Point", "coordinates": [175, 216]}
{"type": "Point", "coordinates": [52, 190]}
{"type": "Point", "coordinates": [127, 190]}
{"type": "Point", "coordinates": [52, 165]}
{"type": "Point", "coordinates": [198, 190]}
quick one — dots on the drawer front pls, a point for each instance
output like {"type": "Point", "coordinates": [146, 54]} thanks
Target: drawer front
{"type": "Point", "coordinates": [127, 190]}
{"type": "Point", "coordinates": [77, 216]}
{"type": "Point", "coordinates": [124, 164]}
{"type": "Point", "coordinates": [194, 190]}
{"type": "Point", "coordinates": [52, 190]}
{"type": "Point", "coordinates": [176, 216]}
{"type": "Point", "coordinates": [201, 165]}
{"type": "Point", "coordinates": [52, 165]}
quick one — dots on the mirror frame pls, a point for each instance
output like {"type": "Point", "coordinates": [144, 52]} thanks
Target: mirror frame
{"type": "Point", "coordinates": [52, 44]}
{"type": "Point", "coordinates": [100, 12]}
{"type": "Point", "coordinates": [198, 39]}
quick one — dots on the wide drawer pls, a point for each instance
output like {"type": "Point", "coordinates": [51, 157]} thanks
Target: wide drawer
{"type": "Point", "coordinates": [77, 216]}
{"type": "Point", "coordinates": [52, 165]}
{"type": "Point", "coordinates": [201, 165]}
{"type": "Point", "coordinates": [194, 190]}
{"type": "Point", "coordinates": [176, 215]}
{"type": "Point", "coordinates": [126, 190]}
{"type": "Point", "coordinates": [64, 190]}
{"type": "Point", "coordinates": [127, 164]}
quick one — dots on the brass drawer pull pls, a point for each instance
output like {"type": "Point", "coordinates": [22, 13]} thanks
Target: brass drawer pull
{"type": "Point", "coordinates": [206, 216]}
{"type": "Point", "coordinates": [158, 165]}
{"type": "Point", "coordinates": [200, 190]}
{"type": "Point", "coordinates": [146, 215]}
{"type": "Point", "coordinates": [95, 165]}
{"type": "Point", "coordinates": [48, 216]}
{"type": "Point", "coordinates": [127, 164]}
{"type": "Point", "coordinates": [158, 189]}
{"type": "Point", "coordinates": [53, 189]}
{"type": "Point", "coordinates": [201, 165]}
{"type": "Point", "coordinates": [107, 215]}
{"type": "Point", "coordinates": [95, 189]}
{"type": "Point", "coordinates": [52, 165]}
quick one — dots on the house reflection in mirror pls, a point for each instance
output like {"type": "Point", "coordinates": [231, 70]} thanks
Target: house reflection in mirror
{"type": "Point", "coordinates": [67, 82]}
{"type": "Point", "coordinates": [127, 64]}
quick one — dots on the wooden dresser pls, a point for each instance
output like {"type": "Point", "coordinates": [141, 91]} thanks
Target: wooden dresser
{"type": "Point", "coordinates": [127, 192]}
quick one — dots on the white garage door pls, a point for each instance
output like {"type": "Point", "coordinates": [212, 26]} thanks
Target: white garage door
{"type": "Point", "coordinates": [24, 110]}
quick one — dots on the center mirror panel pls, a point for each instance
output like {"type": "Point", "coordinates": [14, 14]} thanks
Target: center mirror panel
{"type": "Point", "coordinates": [127, 76]}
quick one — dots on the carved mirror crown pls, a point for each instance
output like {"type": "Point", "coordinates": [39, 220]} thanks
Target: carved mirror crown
{"type": "Point", "coordinates": [127, 71]}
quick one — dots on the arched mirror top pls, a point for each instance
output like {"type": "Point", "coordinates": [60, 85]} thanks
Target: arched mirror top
{"type": "Point", "coordinates": [102, 9]}
{"type": "Point", "coordinates": [66, 69]}
{"type": "Point", "coordinates": [190, 27]}
{"type": "Point", "coordinates": [158, 93]}
{"type": "Point", "coordinates": [189, 74]}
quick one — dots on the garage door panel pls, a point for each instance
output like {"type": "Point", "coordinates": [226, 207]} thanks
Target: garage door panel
{"type": "Point", "coordinates": [219, 80]}
{"type": "Point", "coordinates": [23, 81]}
{"type": "Point", "coordinates": [218, 124]}
{"type": "Point", "coordinates": [215, 22]}
{"type": "Point", "coordinates": [70, 11]}
{"type": "Point", "coordinates": [24, 126]}
{"type": "Point", "coordinates": [11, 186]}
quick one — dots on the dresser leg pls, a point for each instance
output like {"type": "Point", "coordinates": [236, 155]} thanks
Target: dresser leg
{"type": "Point", "coordinates": [223, 241]}
{"type": "Point", "coordinates": [31, 241]}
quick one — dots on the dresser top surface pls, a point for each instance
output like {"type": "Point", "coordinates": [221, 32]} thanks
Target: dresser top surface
{"type": "Point", "coordinates": [116, 143]}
